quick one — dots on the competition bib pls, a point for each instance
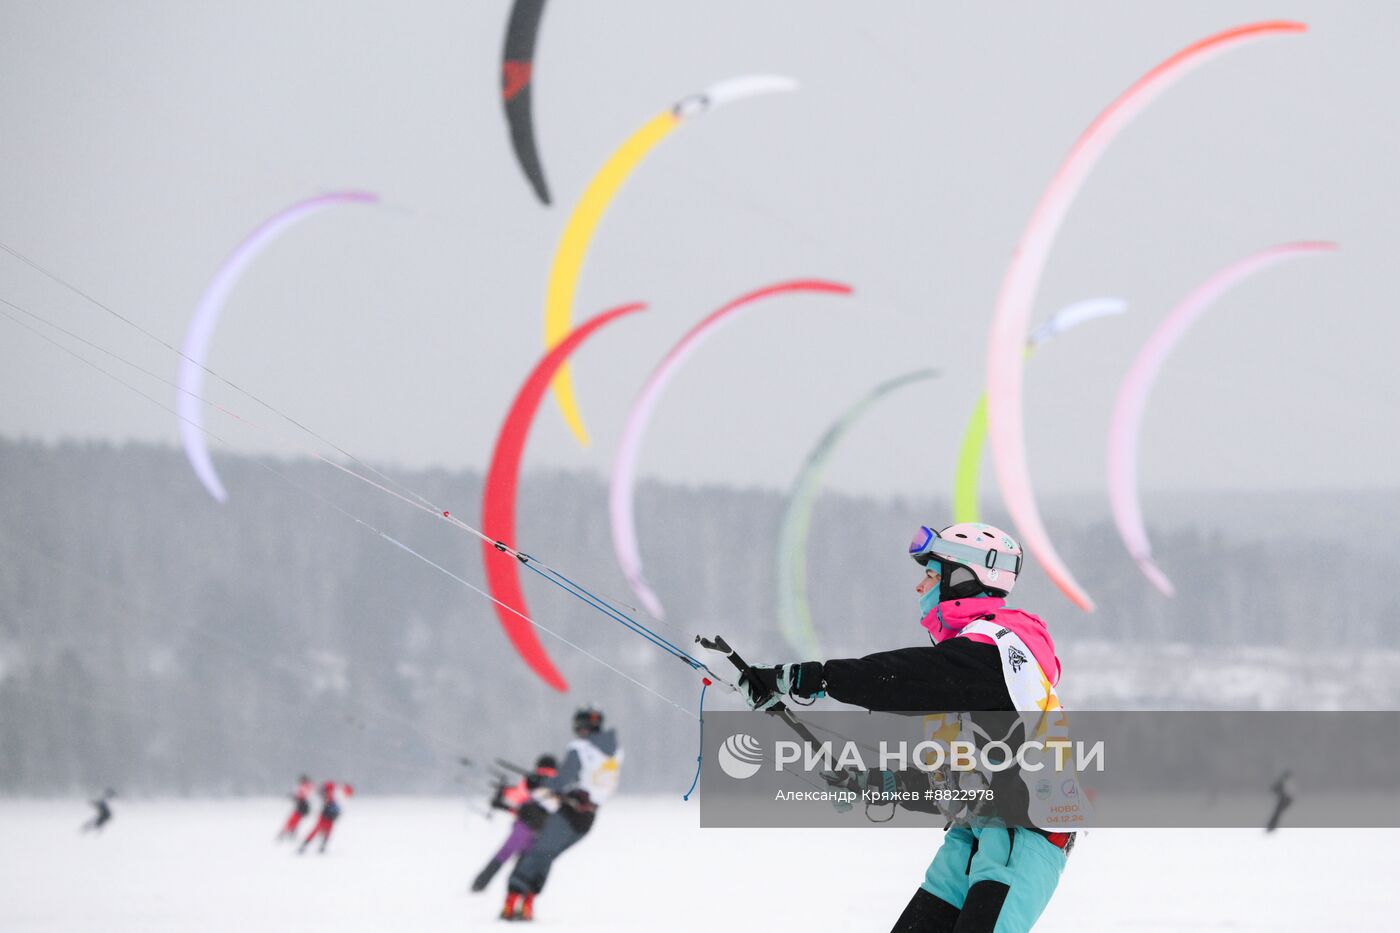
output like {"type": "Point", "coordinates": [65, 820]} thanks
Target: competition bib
{"type": "Point", "coordinates": [598, 773]}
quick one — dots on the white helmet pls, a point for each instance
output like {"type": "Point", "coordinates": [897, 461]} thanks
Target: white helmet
{"type": "Point", "coordinates": [991, 557]}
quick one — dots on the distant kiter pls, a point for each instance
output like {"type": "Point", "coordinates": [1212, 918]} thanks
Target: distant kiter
{"type": "Point", "coordinates": [331, 792]}
{"type": "Point", "coordinates": [1281, 788]}
{"type": "Point", "coordinates": [301, 805]}
{"type": "Point", "coordinates": [526, 800]}
{"type": "Point", "coordinates": [587, 778]}
{"type": "Point", "coordinates": [104, 812]}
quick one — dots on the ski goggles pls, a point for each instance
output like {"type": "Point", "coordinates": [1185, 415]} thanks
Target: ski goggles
{"type": "Point", "coordinates": [926, 545]}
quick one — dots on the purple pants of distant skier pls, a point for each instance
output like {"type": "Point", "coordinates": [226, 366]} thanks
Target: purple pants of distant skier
{"type": "Point", "coordinates": [520, 839]}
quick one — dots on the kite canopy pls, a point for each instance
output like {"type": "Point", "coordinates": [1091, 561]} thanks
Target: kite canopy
{"type": "Point", "coordinates": [195, 350]}
{"type": "Point", "coordinates": [794, 614]}
{"type": "Point", "coordinates": [578, 232]}
{"type": "Point", "coordinates": [621, 489]}
{"type": "Point", "coordinates": [1137, 385]}
{"type": "Point", "coordinates": [499, 494]}
{"type": "Point", "coordinates": [1016, 300]}
{"type": "Point", "coordinates": [965, 483]}
{"type": "Point", "coordinates": [517, 72]}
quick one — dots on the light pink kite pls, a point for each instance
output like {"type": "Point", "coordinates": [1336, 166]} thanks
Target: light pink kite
{"type": "Point", "coordinates": [624, 474]}
{"type": "Point", "coordinates": [1016, 302]}
{"type": "Point", "coordinates": [1132, 395]}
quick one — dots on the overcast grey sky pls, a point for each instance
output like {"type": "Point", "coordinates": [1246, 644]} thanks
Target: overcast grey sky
{"type": "Point", "coordinates": [143, 141]}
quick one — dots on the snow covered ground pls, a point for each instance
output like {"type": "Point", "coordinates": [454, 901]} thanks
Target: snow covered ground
{"type": "Point", "coordinates": [404, 864]}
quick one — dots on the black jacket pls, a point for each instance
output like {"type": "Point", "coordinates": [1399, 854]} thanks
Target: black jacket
{"type": "Point", "coordinates": [957, 675]}
{"type": "Point", "coordinates": [960, 674]}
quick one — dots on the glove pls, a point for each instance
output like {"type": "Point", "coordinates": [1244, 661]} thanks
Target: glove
{"type": "Point", "coordinates": [764, 687]}
{"type": "Point", "coordinates": [579, 799]}
{"type": "Point", "coordinates": [759, 687]}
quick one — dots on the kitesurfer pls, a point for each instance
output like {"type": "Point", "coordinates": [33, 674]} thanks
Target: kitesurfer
{"type": "Point", "coordinates": [331, 794]}
{"type": "Point", "coordinates": [104, 812]}
{"type": "Point", "coordinates": [587, 778]}
{"type": "Point", "coordinates": [1283, 799]}
{"type": "Point", "coordinates": [984, 657]}
{"type": "Point", "coordinates": [301, 805]}
{"type": "Point", "coordinates": [525, 799]}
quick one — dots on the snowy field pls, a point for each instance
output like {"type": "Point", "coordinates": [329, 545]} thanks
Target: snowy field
{"type": "Point", "coordinates": [400, 864]}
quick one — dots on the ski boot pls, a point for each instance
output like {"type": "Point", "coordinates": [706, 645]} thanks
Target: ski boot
{"type": "Point", "coordinates": [527, 909]}
{"type": "Point", "coordinates": [512, 902]}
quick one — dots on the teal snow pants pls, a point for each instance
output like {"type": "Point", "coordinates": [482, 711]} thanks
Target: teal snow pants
{"type": "Point", "coordinates": [998, 879]}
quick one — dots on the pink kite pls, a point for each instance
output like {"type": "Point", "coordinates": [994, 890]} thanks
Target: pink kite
{"type": "Point", "coordinates": [624, 475]}
{"type": "Point", "coordinates": [1132, 395]}
{"type": "Point", "coordinates": [498, 499]}
{"type": "Point", "coordinates": [1006, 346]}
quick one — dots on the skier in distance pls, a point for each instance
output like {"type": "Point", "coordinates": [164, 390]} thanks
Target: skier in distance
{"type": "Point", "coordinates": [103, 815]}
{"type": "Point", "coordinates": [587, 778]}
{"type": "Point", "coordinates": [331, 794]}
{"type": "Point", "coordinates": [524, 800]}
{"type": "Point", "coordinates": [301, 805]}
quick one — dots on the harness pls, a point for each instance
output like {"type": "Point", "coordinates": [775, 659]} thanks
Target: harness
{"type": "Point", "coordinates": [1054, 797]}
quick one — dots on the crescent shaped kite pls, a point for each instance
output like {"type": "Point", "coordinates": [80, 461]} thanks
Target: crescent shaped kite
{"type": "Point", "coordinates": [624, 473]}
{"type": "Point", "coordinates": [965, 483]}
{"type": "Point", "coordinates": [1132, 395]}
{"type": "Point", "coordinates": [195, 349]}
{"type": "Point", "coordinates": [578, 233]}
{"type": "Point", "coordinates": [794, 614]}
{"type": "Point", "coordinates": [1016, 300]}
{"type": "Point", "coordinates": [498, 499]}
{"type": "Point", "coordinates": [517, 69]}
